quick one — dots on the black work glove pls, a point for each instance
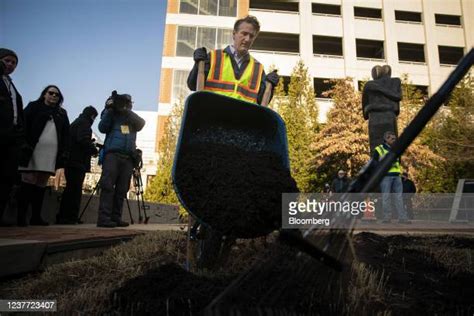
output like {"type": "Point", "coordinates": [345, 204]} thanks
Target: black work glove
{"type": "Point", "coordinates": [200, 54]}
{"type": "Point", "coordinates": [273, 78]}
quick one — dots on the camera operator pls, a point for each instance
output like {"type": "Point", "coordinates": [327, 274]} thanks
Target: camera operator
{"type": "Point", "coordinates": [120, 124]}
{"type": "Point", "coordinates": [82, 148]}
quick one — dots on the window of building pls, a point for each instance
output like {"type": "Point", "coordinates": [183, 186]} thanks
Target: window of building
{"type": "Point", "coordinates": [327, 45]}
{"type": "Point", "coordinates": [407, 16]}
{"type": "Point", "coordinates": [369, 49]}
{"type": "Point", "coordinates": [180, 87]}
{"type": "Point", "coordinates": [291, 6]}
{"type": "Point", "coordinates": [411, 52]}
{"type": "Point", "coordinates": [450, 55]}
{"type": "Point", "coordinates": [277, 42]}
{"type": "Point", "coordinates": [372, 13]}
{"type": "Point", "coordinates": [423, 90]}
{"type": "Point", "coordinates": [322, 85]}
{"type": "Point", "coordinates": [209, 7]}
{"type": "Point", "coordinates": [191, 37]}
{"type": "Point", "coordinates": [447, 19]}
{"type": "Point", "coordinates": [331, 9]}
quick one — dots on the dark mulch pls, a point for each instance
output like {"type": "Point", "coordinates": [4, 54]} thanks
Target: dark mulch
{"type": "Point", "coordinates": [235, 191]}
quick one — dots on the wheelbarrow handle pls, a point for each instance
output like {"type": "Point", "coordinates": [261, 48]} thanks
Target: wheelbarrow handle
{"type": "Point", "coordinates": [267, 94]}
{"type": "Point", "coordinates": [201, 76]}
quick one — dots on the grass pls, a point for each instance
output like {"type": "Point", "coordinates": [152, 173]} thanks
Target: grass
{"type": "Point", "coordinates": [84, 287]}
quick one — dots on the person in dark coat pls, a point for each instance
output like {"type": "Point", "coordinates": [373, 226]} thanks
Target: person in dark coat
{"type": "Point", "coordinates": [340, 183]}
{"type": "Point", "coordinates": [82, 148]}
{"type": "Point", "coordinates": [409, 189]}
{"type": "Point", "coordinates": [47, 132]}
{"type": "Point", "coordinates": [11, 127]}
{"type": "Point", "coordinates": [121, 125]}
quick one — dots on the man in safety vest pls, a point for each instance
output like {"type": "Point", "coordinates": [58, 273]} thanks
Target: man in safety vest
{"type": "Point", "coordinates": [232, 71]}
{"type": "Point", "coordinates": [391, 185]}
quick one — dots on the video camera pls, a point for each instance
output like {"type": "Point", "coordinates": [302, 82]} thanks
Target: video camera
{"type": "Point", "coordinates": [137, 159]}
{"type": "Point", "coordinates": [119, 102]}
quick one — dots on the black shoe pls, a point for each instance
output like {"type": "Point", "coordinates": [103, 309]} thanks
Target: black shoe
{"type": "Point", "coordinates": [121, 224]}
{"type": "Point", "coordinates": [107, 224]}
{"type": "Point", "coordinates": [38, 222]}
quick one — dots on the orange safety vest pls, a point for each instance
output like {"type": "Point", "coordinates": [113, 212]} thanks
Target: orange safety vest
{"type": "Point", "coordinates": [221, 78]}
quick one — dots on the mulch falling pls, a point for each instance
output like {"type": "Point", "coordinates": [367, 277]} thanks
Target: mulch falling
{"type": "Point", "coordinates": [236, 192]}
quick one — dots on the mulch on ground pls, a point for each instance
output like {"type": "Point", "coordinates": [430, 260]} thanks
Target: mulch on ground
{"type": "Point", "coordinates": [421, 275]}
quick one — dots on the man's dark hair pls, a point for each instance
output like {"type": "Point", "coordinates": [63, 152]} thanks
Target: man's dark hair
{"type": "Point", "coordinates": [89, 111]}
{"type": "Point", "coordinates": [248, 19]}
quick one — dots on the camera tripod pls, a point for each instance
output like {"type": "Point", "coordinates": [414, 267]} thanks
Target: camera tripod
{"type": "Point", "coordinates": [138, 186]}
{"type": "Point", "coordinates": [138, 190]}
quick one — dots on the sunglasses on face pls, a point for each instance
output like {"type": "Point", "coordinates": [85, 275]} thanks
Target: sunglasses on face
{"type": "Point", "coordinates": [53, 93]}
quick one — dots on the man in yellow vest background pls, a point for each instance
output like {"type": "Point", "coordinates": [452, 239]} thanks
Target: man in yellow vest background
{"type": "Point", "coordinates": [232, 71]}
{"type": "Point", "coordinates": [391, 185]}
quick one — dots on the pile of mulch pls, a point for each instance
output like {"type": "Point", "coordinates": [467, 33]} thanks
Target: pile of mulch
{"type": "Point", "coordinates": [426, 275]}
{"type": "Point", "coordinates": [421, 275]}
{"type": "Point", "coordinates": [235, 191]}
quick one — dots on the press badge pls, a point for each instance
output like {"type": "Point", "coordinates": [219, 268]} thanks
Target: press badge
{"type": "Point", "coordinates": [124, 129]}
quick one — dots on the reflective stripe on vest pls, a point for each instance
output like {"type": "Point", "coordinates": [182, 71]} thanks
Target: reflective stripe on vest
{"type": "Point", "coordinates": [382, 152]}
{"type": "Point", "coordinates": [221, 78]}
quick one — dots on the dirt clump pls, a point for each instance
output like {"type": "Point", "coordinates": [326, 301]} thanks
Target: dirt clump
{"type": "Point", "coordinates": [235, 191]}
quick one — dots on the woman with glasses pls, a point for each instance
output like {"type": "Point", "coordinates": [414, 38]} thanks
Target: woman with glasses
{"type": "Point", "coordinates": [46, 128]}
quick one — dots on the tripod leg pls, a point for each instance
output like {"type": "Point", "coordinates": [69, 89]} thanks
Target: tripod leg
{"type": "Point", "coordinates": [140, 217]}
{"type": "Point", "coordinates": [88, 201]}
{"type": "Point", "coordinates": [130, 212]}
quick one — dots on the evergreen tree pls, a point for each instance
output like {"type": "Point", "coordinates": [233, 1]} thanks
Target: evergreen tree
{"type": "Point", "coordinates": [451, 135]}
{"type": "Point", "coordinates": [161, 187]}
{"type": "Point", "coordinates": [343, 143]}
{"type": "Point", "coordinates": [299, 111]}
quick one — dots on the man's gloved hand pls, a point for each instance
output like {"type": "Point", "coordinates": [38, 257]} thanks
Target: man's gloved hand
{"type": "Point", "coordinates": [273, 78]}
{"type": "Point", "coordinates": [200, 54]}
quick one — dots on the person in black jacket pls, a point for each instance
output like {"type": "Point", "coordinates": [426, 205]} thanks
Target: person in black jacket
{"type": "Point", "coordinates": [47, 132]}
{"type": "Point", "coordinates": [81, 148]}
{"type": "Point", "coordinates": [340, 183]}
{"type": "Point", "coordinates": [409, 189]}
{"type": "Point", "coordinates": [11, 127]}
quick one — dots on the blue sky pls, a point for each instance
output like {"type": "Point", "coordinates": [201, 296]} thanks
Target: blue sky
{"type": "Point", "coordinates": [87, 48]}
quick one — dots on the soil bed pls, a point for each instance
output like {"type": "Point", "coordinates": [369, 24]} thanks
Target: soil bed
{"type": "Point", "coordinates": [406, 275]}
{"type": "Point", "coordinates": [235, 191]}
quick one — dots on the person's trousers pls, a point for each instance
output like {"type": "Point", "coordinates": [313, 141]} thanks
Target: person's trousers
{"type": "Point", "coordinates": [72, 195]}
{"type": "Point", "coordinates": [9, 172]}
{"type": "Point", "coordinates": [114, 183]}
{"type": "Point", "coordinates": [392, 189]}
{"type": "Point", "coordinates": [33, 195]}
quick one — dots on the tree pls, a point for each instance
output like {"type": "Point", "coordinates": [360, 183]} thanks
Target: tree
{"type": "Point", "coordinates": [299, 111]}
{"type": "Point", "coordinates": [161, 187]}
{"type": "Point", "coordinates": [343, 143]}
{"type": "Point", "coordinates": [450, 135]}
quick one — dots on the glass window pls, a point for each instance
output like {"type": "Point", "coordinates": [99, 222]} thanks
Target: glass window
{"type": "Point", "coordinates": [277, 42]}
{"type": "Point", "coordinates": [326, 8]}
{"type": "Point", "coordinates": [368, 12]}
{"type": "Point", "coordinates": [322, 85]}
{"type": "Point", "coordinates": [450, 55]}
{"type": "Point", "coordinates": [224, 38]}
{"type": "Point", "coordinates": [208, 7]}
{"type": "Point", "coordinates": [206, 37]}
{"type": "Point", "coordinates": [186, 41]}
{"type": "Point", "coordinates": [276, 5]}
{"type": "Point", "coordinates": [327, 45]}
{"type": "Point", "coordinates": [408, 16]}
{"type": "Point", "coordinates": [227, 7]}
{"type": "Point", "coordinates": [180, 87]}
{"type": "Point", "coordinates": [188, 6]}
{"type": "Point", "coordinates": [369, 49]}
{"type": "Point", "coordinates": [447, 19]}
{"type": "Point", "coordinates": [411, 52]}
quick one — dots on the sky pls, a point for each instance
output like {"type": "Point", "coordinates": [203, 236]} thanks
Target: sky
{"type": "Point", "coordinates": [87, 48]}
